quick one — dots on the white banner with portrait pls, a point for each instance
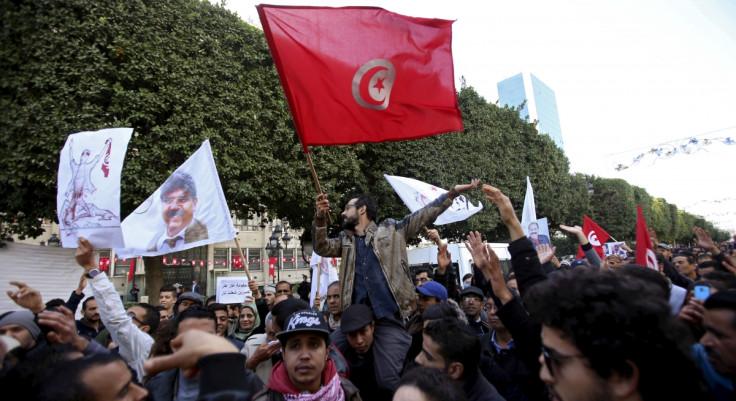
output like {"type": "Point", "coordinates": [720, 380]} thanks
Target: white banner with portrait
{"type": "Point", "coordinates": [538, 232]}
{"type": "Point", "coordinates": [417, 194]}
{"type": "Point", "coordinates": [188, 210]}
{"type": "Point", "coordinates": [88, 182]}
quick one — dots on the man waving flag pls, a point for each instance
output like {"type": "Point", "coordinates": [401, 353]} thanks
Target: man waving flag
{"type": "Point", "coordinates": [363, 74]}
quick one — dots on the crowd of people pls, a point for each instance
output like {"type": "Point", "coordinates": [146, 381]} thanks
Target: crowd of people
{"type": "Point", "coordinates": [593, 329]}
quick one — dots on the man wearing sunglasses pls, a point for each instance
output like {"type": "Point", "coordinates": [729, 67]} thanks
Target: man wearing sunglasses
{"type": "Point", "coordinates": [178, 204]}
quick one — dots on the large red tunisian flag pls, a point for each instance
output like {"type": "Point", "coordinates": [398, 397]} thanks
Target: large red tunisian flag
{"type": "Point", "coordinates": [363, 74]}
{"type": "Point", "coordinates": [596, 236]}
{"type": "Point", "coordinates": [645, 255]}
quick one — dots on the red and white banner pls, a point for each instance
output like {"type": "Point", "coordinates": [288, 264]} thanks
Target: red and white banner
{"type": "Point", "coordinates": [363, 74]}
{"type": "Point", "coordinates": [132, 270]}
{"type": "Point", "coordinates": [645, 255]}
{"type": "Point", "coordinates": [272, 266]}
{"type": "Point", "coordinates": [596, 236]}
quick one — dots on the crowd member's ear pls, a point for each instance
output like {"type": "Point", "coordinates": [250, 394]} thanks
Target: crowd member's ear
{"type": "Point", "coordinates": [624, 384]}
{"type": "Point", "coordinates": [145, 328]}
{"type": "Point", "coordinates": [455, 370]}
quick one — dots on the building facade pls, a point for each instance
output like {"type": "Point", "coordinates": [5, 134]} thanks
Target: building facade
{"type": "Point", "coordinates": [206, 263]}
{"type": "Point", "coordinates": [541, 104]}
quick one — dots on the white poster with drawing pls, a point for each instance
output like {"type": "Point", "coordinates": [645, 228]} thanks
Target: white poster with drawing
{"type": "Point", "coordinates": [417, 194]}
{"type": "Point", "coordinates": [88, 182]}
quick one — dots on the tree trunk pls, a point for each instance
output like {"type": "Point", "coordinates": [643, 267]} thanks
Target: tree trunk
{"type": "Point", "coordinates": [154, 277]}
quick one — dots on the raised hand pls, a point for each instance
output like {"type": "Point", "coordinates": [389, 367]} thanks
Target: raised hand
{"type": "Point", "coordinates": [433, 235]}
{"type": "Point", "coordinates": [262, 353]}
{"type": "Point", "coordinates": [460, 188]}
{"type": "Point", "coordinates": [545, 253]}
{"type": "Point", "coordinates": [488, 262]}
{"type": "Point", "coordinates": [85, 255]}
{"type": "Point", "coordinates": [578, 231]}
{"type": "Point", "coordinates": [705, 241]}
{"type": "Point", "coordinates": [653, 236]}
{"type": "Point", "coordinates": [505, 209]}
{"type": "Point", "coordinates": [730, 263]}
{"type": "Point", "coordinates": [190, 348]}
{"type": "Point", "coordinates": [82, 283]}
{"type": "Point", "coordinates": [27, 297]}
{"type": "Point", "coordinates": [323, 206]}
{"type": "Point", "coordinates": [254, 289]}
{"type": "Point", "coordinates": [443, 259]}
{"type": "Point", "coordinates": [64, 328]}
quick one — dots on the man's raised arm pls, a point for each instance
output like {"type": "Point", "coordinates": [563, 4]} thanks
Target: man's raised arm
{"type": "Point", "coordinates": [323, 246]}
{"type": "Point", "coordinates": [134, 344]}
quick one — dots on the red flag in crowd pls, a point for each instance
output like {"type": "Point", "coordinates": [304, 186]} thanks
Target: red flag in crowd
{"type": "Point", "coordinates": [645, 255]}
{"type": "Point", "coordinates": [272, 266]}
{"type": "Point", "coordinates": [132, 270]}
{"type": "Point", "coordinates": [363, 74]}
{"type": "Point", "coordinates": [596, 236]}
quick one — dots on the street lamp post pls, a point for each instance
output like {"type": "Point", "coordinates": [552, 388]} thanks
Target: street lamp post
{"type": "Point", "coordinates": [274, 246]}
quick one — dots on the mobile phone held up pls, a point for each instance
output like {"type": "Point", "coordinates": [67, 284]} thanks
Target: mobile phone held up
{"type": "Point", "coordinates": [701, 292]}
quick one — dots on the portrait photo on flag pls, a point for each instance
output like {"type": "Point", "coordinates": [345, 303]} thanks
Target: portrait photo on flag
{"type": "Point", "coordinates": [615, 248]}
{"type": "Point", "coordinates": [188, 210]}
{"type": "Point", "coordinates": [88, 182]}
{"type": "Point", "coordinates": [538, 232]}
{"type": "Point", "coordinates": [417, 194]}
{"type": "Point", "coordinates": [363, 74]}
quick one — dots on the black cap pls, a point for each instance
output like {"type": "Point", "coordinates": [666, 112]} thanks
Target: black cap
{"type": "Point", "coordinates": [355, 317]}
{"type": "Point", "coordinates": [305, 321]}
{"type": "Point", "coordinates": [471, 290]}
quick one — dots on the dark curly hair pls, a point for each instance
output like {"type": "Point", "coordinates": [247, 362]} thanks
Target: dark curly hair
{"type": "Point", "coordinates": [617, 321]}
{"type": "Point", "coordinates": [371, 206]}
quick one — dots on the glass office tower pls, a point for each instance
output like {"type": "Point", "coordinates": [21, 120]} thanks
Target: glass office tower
{"type": "Point", "coordinates": [540, 103]}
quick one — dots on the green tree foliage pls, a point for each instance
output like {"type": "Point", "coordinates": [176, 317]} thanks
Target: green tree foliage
{"type": "Point", "coordinates": [179, 72]}
{"type": "Point", "coordinates": [483, 150]}
{"type": "Point", "coordinates": [661, 220]}
{"type": "Point", "coordinates": [614, 208]}
{"type": "Point", "coordinates": [183, 71]}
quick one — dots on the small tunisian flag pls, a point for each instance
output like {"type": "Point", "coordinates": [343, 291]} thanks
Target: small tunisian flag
{"type": "Point", "coordinates": [272, 267]}
{"type": "Point", "coordinates": [363, 74]}
{"type": "Point", "coordinates": [596, 236]}
{"type": "Point", "coordinates": [645, 255]}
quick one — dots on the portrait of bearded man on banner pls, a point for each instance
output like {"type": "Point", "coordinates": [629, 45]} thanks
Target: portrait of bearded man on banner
{"type": "Point", "coordinates": [178, 205]}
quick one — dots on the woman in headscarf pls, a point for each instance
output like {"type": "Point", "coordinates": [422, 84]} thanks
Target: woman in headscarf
{"type": "Point", "coordinates": [248, 322]}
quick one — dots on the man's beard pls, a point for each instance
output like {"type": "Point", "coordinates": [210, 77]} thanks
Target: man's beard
{"type": "Point", "coordinates": [349, 224]}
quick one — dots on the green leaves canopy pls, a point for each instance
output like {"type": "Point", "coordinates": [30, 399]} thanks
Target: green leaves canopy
{"type": "Point", "coordinates": [182, 71]}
